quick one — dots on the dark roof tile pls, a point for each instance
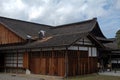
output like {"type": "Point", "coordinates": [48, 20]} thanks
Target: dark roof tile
{"type": "Point", "coordinates": [55, 36]}
{"type": "Point", "coordinates": [23, 28]}
{"type": "Point", "coordinates": [61, 40]}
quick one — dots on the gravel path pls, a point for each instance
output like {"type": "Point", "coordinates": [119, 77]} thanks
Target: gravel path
{"type": "Point", "coordinates": [111, 73]}
{"type": "Point", "coordinates": [17, 77]}
{"type": "Point", "coordinates": [6, 76]}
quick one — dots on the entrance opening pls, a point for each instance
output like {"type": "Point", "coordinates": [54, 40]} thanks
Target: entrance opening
{"type": "Point", "coordinates": [1, 62]}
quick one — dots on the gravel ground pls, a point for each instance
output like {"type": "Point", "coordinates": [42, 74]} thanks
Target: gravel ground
{"type": "Point", "coordinates": [8, 76]}
{"type": "Point", "coordinates": [17, 77]}
{"type": "Point", "coordinates": [111, 73]}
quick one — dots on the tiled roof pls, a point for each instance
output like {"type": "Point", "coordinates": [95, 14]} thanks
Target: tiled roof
{"type": "Point", "coordinates": [112, 45]}
{"type": "Point", "coordinates": [23, 28]}
{"type": "Point", "coordinates": [55, 35]}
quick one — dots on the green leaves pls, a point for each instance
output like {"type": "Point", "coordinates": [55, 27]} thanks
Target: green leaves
{"type": "Point", "coordinates": [118, 38]}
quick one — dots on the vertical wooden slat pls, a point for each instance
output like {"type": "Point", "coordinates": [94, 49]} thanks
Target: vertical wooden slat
{"type": "Point", "coordinates": [78, 53]}
{"type": "Point", "coordinates": [81, 68]}
{"type": "Point", "coordinates": [88, 63]}
{"type": "Point", "coordinates": [52, 71]}
{"type": "Point", "coordinates": [8, 36]}
{"type": "Point", "coordinates": [66, 63]}
{"type": "Point", "coordinates": [17, 61]}
{"type": "Point", "coordinates": [50, 63]}
{"type": "Point", "coordinates": [26, 60]}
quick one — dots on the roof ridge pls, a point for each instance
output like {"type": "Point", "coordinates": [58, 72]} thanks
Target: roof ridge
{"type": "Point", "coordinates": [24, 21]}
{"type": "Point", "coordinates": [80, 22]}
{"type": "Point", "coordinates": [70, 33]}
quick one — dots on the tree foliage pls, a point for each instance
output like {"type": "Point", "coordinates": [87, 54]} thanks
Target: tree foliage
{"type": "Point", "coordinates": [118, 38]}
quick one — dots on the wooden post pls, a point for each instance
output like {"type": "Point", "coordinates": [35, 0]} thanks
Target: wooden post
{"type": "Point", "coordinates": [110, 63]}
{"type": "Point", "coordinates": [88, 63]}
{"type": "Point", "coordinates": [26, 60]}
{"type": "Point", "coordinates": [81, 68]}
{"type": "Point", "coordinates": [29, 55]}
{"type": "Point", "coordinates": [84, 68]}
{"type": "Point", "coordinates": [53, 61]}
{"type": "Point", "coordinates": [66, 63]}
{"type": "Point", "coordinates": [5, 63]}
{"type": "Point", "coordinates": [78, 61]}
{"type": "Point", "coordinates": [17, 61]}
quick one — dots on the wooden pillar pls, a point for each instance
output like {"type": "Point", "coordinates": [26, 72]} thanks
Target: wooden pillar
{"type": "Point", "coordinates": [110, 63]}
{"type": "Point", "coordinates": [5, 63]}
{"type": "Point", "coordinates": [52, 70]}
{"type": "Point", "coordinates": [78, 54]}
{"type": "Point", "coordinates": [17, 61]}
{"type": "Point", "coordinates": [30, 56]}
{"type": "Point", "coordinates": [40, 56]}
{"type": "Point", "coordinates": [66, 63]}
{"type": "Point", "coordinates": [81, 68]}
{"type": "Point", "coordinates": [26, 60]}
{"type": "Point", "coordinates": [88, 63]}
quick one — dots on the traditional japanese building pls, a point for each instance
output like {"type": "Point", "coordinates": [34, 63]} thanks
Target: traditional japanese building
{"type": "Point", "coordinates": [65, 50]}
{"type": "Point", "coordinates": [111, 55]}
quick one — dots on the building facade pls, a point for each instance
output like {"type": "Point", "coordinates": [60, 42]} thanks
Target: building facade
{"type": "Point", "coordinates": [65, 50]}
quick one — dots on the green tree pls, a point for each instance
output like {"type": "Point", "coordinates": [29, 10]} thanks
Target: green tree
{"type": "Point", "coordinates": [118, 38]}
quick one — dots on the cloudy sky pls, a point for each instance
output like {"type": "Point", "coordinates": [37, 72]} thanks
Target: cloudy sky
{"type": "Point", "coordinates": [58, 12]}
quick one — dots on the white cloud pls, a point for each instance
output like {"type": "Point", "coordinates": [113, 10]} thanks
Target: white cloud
{"type": "Point", "coordinates": [57, 12]}
{"type": "Point", "coordinates": [13, 5]}
{"type": "Point", "coordinates": [118, 4]}
{"type": "Point", "coordinates": [35, 13]}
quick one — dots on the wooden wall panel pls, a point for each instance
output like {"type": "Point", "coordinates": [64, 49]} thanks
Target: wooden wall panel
{"type": "Point", "coordinates": [61, 66]}
{"type": "Point", "coordinates": [51, 66]}
{"type": "Point", "coordinates": [26, 60]}
{"type": "Point", "coordinates": [55, 64]}
{"type": "Point", "coordinates": [92, 64]}
{"type": "Point", "coordinates": [43, 66]}
{"type": "Point", "coordinates": [35, 65]}
{"type": "Point", "coordinates": [8, 36]}
{"type": "Point", "coordinates": [47, 64]}
{"type": "Point", "coordinates": [81, 64]}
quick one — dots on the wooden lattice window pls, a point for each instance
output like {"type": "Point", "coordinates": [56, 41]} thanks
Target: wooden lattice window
{"type": "Point", "coordinates": [14, 60]}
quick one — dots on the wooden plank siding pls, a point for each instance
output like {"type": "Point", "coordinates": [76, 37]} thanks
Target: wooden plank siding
{"type": "Point", "coordinates": [48, 63]}
{"type": "Point", "coordinates": [81, 64]}
{"type": "Point", "coordinates": [26, 60]}
{"type": "Point", "coordinates": [53, 63]}
{"type": "Point", "coordinates": [8, 36]}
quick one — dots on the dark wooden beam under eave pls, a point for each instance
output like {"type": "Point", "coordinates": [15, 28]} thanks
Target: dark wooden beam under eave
{"type": "Point", "coordinates": [94, 40]}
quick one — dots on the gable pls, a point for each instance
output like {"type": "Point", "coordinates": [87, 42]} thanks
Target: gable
{"type": "Point", "coordinates": [85, 44]}
{"type": "Point", "coordinates": [97, 31]}
{"type": "Point", "coordinates": [84, 41]}
{"type": "Point", "coordinates": [23, 28]}
{"type": "Point", "coordinates": [8, 36]}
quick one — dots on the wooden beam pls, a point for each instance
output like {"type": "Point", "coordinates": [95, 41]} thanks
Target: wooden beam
{"type": "Point", "coordinates": [17, 61]}
{"type": "Point", "coordinates": [52, 71]}
{"type": "Point", "coordinates": [88, 63]}
{"type": "Point", "coordinates": [66, 62]}
{"type": "Point", "coordinates": [26, 60]}
{"type": "Point", "coordinates": [5, 62]}
{"type": "Point", "coordinates": [78, 53]}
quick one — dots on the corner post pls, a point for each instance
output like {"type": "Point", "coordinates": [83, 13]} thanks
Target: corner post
{"type": "Point", "coordinates": [66, 62]}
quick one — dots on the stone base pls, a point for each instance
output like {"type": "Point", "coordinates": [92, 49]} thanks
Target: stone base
{"type": "Point", "coordinates": [28, 71]}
